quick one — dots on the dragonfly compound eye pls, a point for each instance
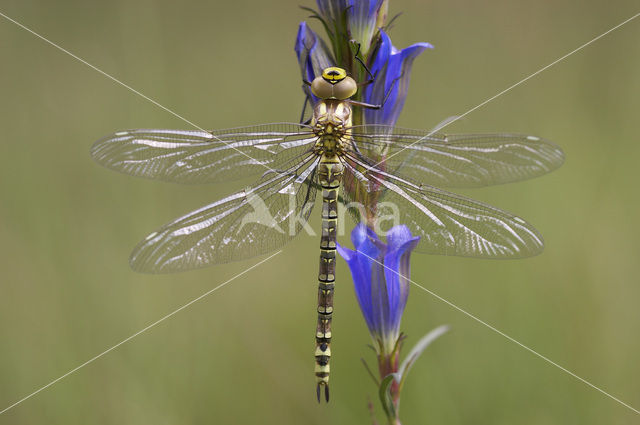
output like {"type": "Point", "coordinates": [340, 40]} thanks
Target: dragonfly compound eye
{"type": "Point", "coordinates": [345, 88]}
{"type": "Point", "coordinates": [322, 88]}
{"type": "Point", "coordinates": [334, 84]}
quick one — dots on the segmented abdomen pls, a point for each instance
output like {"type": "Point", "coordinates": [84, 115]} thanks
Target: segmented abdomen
{"type": "Point", "coordinates": [329, 177]}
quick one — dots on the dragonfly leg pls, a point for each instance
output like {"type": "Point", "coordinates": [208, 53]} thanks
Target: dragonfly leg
{"type": "Point", "coordinates": [381, 105]}
{"type": "Point", "coordinates": [307, 100]}
{"type": "Point", "coordinates": [361, 62]}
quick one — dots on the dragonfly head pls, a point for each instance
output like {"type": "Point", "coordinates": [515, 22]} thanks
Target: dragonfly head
{"type": "Point", "coordinates": [334, 83]}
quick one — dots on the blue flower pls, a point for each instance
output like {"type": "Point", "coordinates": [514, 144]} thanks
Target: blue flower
{"type": "Point", "coordinates": [381, 278]}
{"type": "Point", "coordinates": [391, 68]}
{"type": "Point", "coordinates": [313, 54]}
{"type": "Point", "coordinates": [363, 18]}
{"type": "Point", "coordinates": [332, 10]}
{"type": "Point", "coordinates": [360, 21]}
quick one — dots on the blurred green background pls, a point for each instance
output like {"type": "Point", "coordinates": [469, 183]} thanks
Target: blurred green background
{"type": "Point", "coordinates": [245, 353]}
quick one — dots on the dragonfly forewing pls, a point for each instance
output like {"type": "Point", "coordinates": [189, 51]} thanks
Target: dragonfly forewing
{"type": "Point", "coordinates": [194, 157]}
{"type": "Point", "coordinates": [464, 160]}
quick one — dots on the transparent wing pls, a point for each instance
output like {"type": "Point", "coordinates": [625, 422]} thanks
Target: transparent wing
{"type": "Point", "coordinates": [464, 160]}
{"type": "Point", "coordinates": [203, 157]}
{"type": "Point", "coordinates": [447, 224]}
{"type": "Point", "coordinates": [243, 225]}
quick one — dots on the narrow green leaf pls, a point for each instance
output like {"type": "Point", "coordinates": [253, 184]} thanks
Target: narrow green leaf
{"type": "Point", "coordinates": [384, 392]}
{"type": "Point", "coordinates": [417, 350]}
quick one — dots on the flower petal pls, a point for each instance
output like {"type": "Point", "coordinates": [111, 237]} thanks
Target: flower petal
{"type": "Point", "coordinates": [345, 253]}
{"type": "Point", "coordinates": [363, 19]}
{"type": "Point", "coordinates": [361, 235]}
{"type": "Point", "coordinates": [398, 235]}
{"type": "Point", "coordinates": [313, 54]}
{"type": "Point", "coordinates": [332, 10]}
{"type": "Point", "coordinates": [397, 271]}
{"type": "Point", "coordinates": [392, 69]}
{"type": "Point", "coordinates": [363, 270]}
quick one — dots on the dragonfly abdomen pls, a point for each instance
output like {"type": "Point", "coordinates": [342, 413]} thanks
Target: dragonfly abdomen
{"type": "Point", "coordinates": [330, 171]}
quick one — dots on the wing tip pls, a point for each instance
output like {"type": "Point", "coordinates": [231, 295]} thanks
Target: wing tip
{"type": "Point", "coordinates": [140, 261]}
{"type": "Point", "coordinates": [99, 146]}
{"type": "Point", "coordinates": [141, 266]}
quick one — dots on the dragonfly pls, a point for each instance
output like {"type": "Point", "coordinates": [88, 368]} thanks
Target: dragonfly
{"type": "Point", "coordinates": [330, 155]}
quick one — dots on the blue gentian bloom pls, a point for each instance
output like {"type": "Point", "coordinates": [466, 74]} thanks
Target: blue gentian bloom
{"type": "Point", "coordinates": [360, 21]}
{"type": "Point", "coordinates": [357, 18]}
{"type": "Point", "coordinates": [391, 68]}
{"type": "Point", "coordinates": [381, 278]}
{"type": "Point", "coordinates": [363, 20]}
{"type": "Point", "coordinates": [332, 10]}
{"type": "Point", "coordinates": [313, 54]}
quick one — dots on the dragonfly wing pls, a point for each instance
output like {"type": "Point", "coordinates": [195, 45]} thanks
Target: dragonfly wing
{"type": "Point", "coordinates": [243, 225]}
{"type": "Point", "coordinates": [450, 224]}
{"type": "Point", "coordinates": [203, 157]}
{"type": "Point", "coordinates": [464, 160]}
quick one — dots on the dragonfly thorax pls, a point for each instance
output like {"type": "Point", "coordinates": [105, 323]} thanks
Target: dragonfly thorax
{"type": "Point", "coordinates": [331, 121]}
